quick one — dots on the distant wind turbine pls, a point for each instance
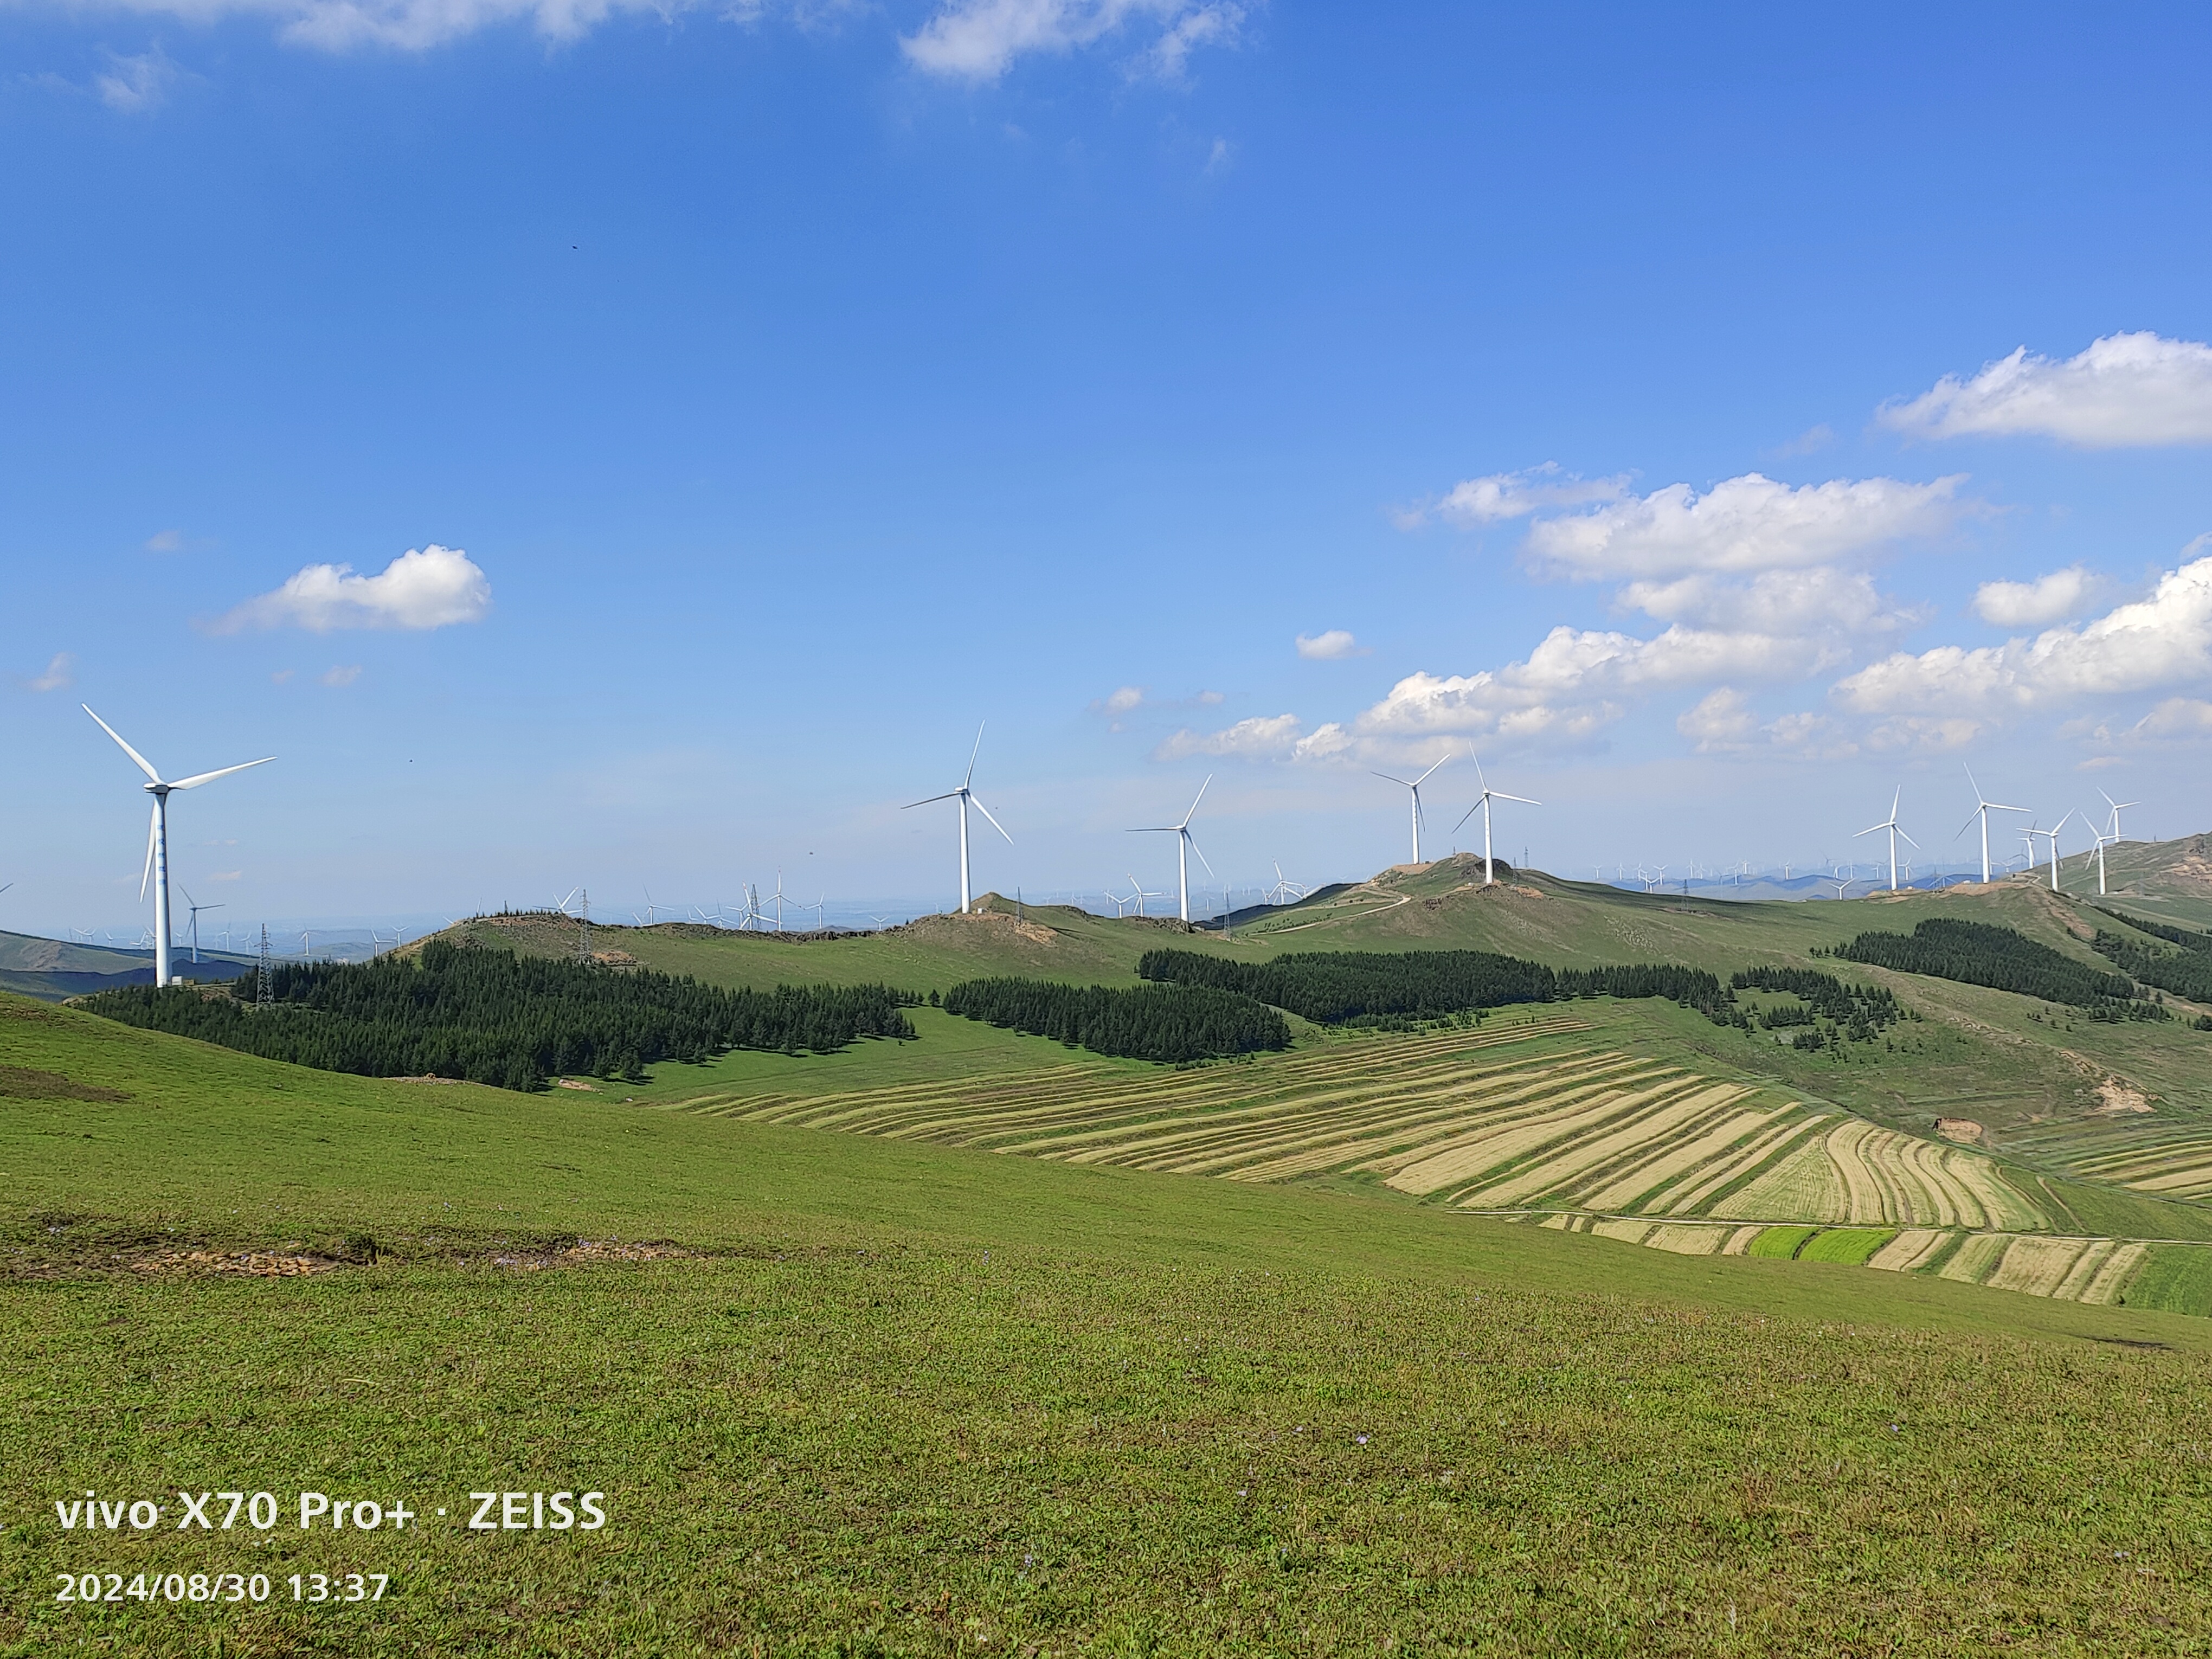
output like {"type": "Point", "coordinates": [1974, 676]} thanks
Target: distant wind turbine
{"type": "Point", "coordinates": [2052, 833]}
{"type": "Point", "coordinates": [1483, 802]}
{"type": "Point", "coordinates": [2117, 806]}
{"type": "Point", "coordinates": [1140, 895]}
{"type": "Point", "coordinates": [965, 796]}
{"type": "Point", "coordinates": [195, 909]}
{"type": "Point", "coordinates": [1890, 824]}
{"type": "Point", "coordinates": [1983, 807]}
{"type": "Point", "coordinates": [1185, 846]}
{"type": "Point", "coordinates": [1413, 788]}
{"type": "Point", "coordinates": [157, 835]}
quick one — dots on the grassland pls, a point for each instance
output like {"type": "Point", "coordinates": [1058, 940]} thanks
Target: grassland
{"type": "Point", "coordinates": [871, 1394]}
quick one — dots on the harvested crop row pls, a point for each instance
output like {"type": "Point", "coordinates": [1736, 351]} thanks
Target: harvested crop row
{"type": "Point", "coordinates": [1496, 1147]}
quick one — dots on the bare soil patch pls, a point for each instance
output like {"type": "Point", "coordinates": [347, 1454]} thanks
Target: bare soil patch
{"type": "Point", "coordinates": [248, 1264]}
{"type": "Point", "coordinates": [23, 1082]}
{"type": "Point", "coordinates": [1958, 1129]}
{"type": "Point", "coordinates": [2120, 1098]}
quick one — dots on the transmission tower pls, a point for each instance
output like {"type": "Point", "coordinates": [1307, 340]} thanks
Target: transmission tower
{"type": "Point", "coordinates": [261, 997]}
{"type": "Point", "coordinates": [584, 925]}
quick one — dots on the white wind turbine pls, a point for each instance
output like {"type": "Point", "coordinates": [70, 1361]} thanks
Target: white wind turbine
{"type": "Point", "coordinates": [2052, 833]}
{"type": "Point", "coordinates": [1842, 886]}
{"type": "Point", "coordinates": [1140, 894]}
{"type": "Point", "coordinates": [1483, 801]}
{"type": "Point", "coordinates": [1121, 905]}
{"type": "Point", "coordinates": [2103, 841]}
{"type": "Point", "coordinates": [1983, 807]}
{"type": "Point", "coordinates": [1890, 824]}
{"type": "Point", "coordinates": [2117, 806]}
{"type": "Point", "coordinates": [1184, 848]}
{"type": "Point", "coordinates": [965, 796]}
{"type": "Point", "coordinates": [157, 835]}
{"type": "Point", "coordinates": [195, 909]}
{"type": "Point", "coordinates": [1413, 788]}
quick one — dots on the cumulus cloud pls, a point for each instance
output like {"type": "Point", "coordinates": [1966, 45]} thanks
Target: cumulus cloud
{"type": "Point", "coordinates": [60, 675]}
{"type": "Point", "coordinates": [1822, 601]}
{"type": "Point", "coordinates": [2161, 643]}
{"type": "Point", "coordinates": [1120, 702]}
{"type": "Point", "coordinates": [2030, 604]}
{"type": "Point", "coordinates": [1722, 723]}
{"type": "Point", "coordinates": [980, 39]}
{"type": "Point", "coordinates": [1331, 647]}
{"type": "Point", "coordinates": [2126, 390]}
{"type": "Point", "coordinates": [341, 675]}
{"type": "Point", "coordinates": [1742, 525]}
{"type": "Point", "coordinates": [433, 587]}
{"type": "Point", "coordinates": [1269, 737]}
{"type": "Point", "coordinates": [1498, 496]}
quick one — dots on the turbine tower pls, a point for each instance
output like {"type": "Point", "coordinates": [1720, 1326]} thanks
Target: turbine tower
{"type": "Point", "coordinates": [157, 835]}
{"type": "Point", "coordinates": [1415, 789]}
{"type": "Point", "coordinates": [1184, 848]}
{"type": "Point", "coordinates": [1890, 824]}
{"type": "Point", "coordinates": [195, 924]}
{"type": "Point", "coordinates": [1983, 807]}
{"type": "Point", "coordinates": [1487, 796]}
{"type": "Point", "coordinates": [966, 796]}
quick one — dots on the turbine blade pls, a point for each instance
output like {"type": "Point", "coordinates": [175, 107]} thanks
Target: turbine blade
{"type": "Point", "coordinates": [1424, 778]}
{"type": "Point", "coordinates": [1999, 806]}
{"type": "Point", "coordinates": [1868, 830]}
{"type": "Point", "coordinates": [199, 778]}
{"type": "Point", "coordinates": [144, 764]}
{"type": "Point", "coordinates": [1192, 840]}
{"type": "Point", "coordinates": [1463, 817]}
{"type": "Point", "coordinates": [1909, 841]}
{"type": "Point", "coordinates": [1199, 797]}
{"type": "Point", "coordinates": [947, 795]}
{"type": "Point", "coordinates": [985, 811]}
{"type": "Point", "coordinates": [1499, 794]}
{"type": "Point", "coordinates": [152, 828]}
{"type": "Point", "coordinates": [1401, 782]}
{"type": "Point", "coordinates": [972, 753]}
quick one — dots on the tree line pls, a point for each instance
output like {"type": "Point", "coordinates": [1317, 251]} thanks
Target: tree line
{"type": "Point", "coordinates": [2187, 972]}
{"type": "Point", "coordinates": [1351, 988]}
{"type": "Point", "coordinates": [1981, 953]}
{"type": "Point", "coordinates": [1859, 1010]}
{"type": "Point", "coordinates": [1174, 1023]}
{"type": "Point", "coordinates": [489, 1016]}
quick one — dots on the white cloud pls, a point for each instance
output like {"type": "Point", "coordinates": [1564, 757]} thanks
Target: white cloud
{"type": "Point", "coordinates": [980, 39]}
{"type": "Point", "coordinates": [1820, 602]}
{"type": "Point", "coordinates": [60, 675]}
{"type": "Point", "coordinates": [1498, 496]}
{"type": "Point", "coordinates": [2030, 604]}
{"type": "Point", "coordinates": [430, 588]}
{"type": "Point", "coordinates": [344, 675]}
{"type": "Point", "coordinates": [165, 541]}
{"type": "Point", "coordinates": [1722, 723]}
{"type": "Point", "coordinates": [1331, 647]}
{"type": "Point", "coordinates": [2163, 642]}
{"type": "Point", "coordinates": [1742, 524]}
{"type": "Point", "coordinates": [1123, 699]}
{"type": "Point", "coordinates": [1327, 741]}
{"type": "Point", "coordinates": [1258, 738]}
{"type": "Point", "coordinates": [2176, 720]}
{"type": "Point", "coordinates": [136, 86]}
{"type": "Point", "coordinates": [2125, 390]}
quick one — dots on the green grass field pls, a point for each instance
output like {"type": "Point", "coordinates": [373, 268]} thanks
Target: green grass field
{"type": "Point", "coordinates": [869, 1396]}
{"type": "Point", "coordinates": [899, 1391]}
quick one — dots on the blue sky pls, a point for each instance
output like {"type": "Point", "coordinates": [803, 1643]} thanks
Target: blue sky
{"type": "Point", "coordinates": [795, 387]}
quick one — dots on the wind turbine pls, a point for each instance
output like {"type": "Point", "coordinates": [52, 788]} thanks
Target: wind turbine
{"type": "Point", "coordinates": [1983, 807]}
{"type": "Point", "coordinates": [1890, 824]}
{"type": "Point", "coordinates": [965, 796]}
{"type": "Point", "coordinates": [2053, 834]}
{"type": "Point", "coordinates": [2117, 806]}
{"type": "Point", "coordinates": [2102, 841]}
{"type": "Point", "coordinates": [1140, 896]}
{"type": "Point", "coordinates": [1841, 887]}
{"type": "Point", "coordinates": [1415, 789]}
{"type": "Point", "coordinates": [1483, 801]}
{"type": "Point", "coordinates": [157, 835]}
{"type": "Point", "coordinates": [195, 909]}
{"type": "Point", "coordinates": [1185, 846]}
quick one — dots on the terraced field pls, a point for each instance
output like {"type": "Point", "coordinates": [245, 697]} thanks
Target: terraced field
{"type": "Point", "coordinates": [2180, 1167]}
{"type": "Point", "coordinates": [1491, 1120]}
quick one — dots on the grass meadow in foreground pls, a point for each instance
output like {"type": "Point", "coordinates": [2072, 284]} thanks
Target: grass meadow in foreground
{"type": "Point", "coordinates": [895, 1398]}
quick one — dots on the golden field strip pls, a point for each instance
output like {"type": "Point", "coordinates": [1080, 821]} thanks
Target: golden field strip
{"type": "Point", "coordinates": [2090, 1270]}
{"type": "Point", "coordinates": [1519, 1122]}
{"type": "Point", "coordinates": [1473, 1119]}
{"type": "Point", "coordinates": [2177, 1168]}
